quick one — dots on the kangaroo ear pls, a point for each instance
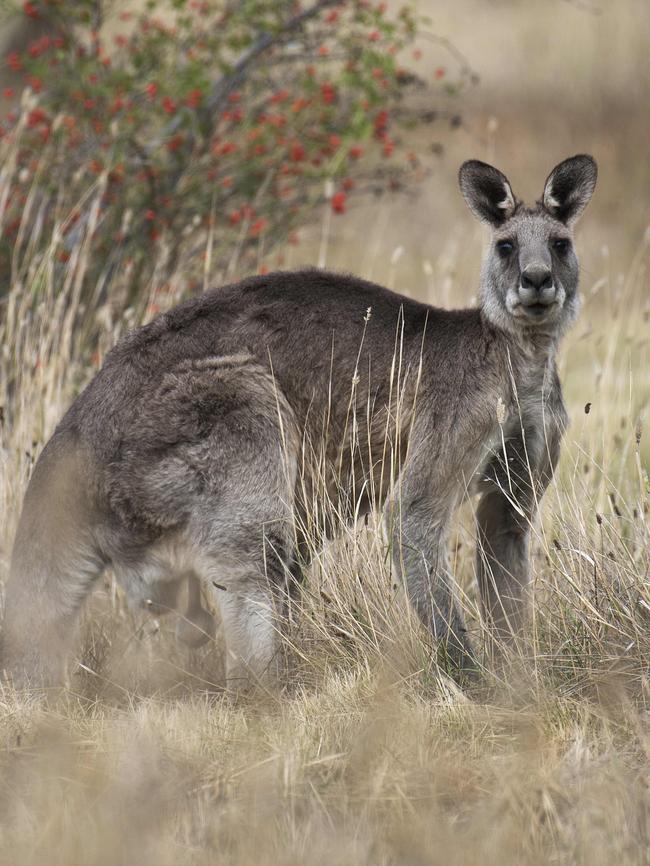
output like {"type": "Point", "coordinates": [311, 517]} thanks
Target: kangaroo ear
{"type": "Point", "coordinates": [569, 187]}
{"type": "Point", "coordinates": [487, 192]}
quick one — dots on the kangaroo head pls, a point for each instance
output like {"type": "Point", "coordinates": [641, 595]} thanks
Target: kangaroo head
{"type": "Point", "coordinates": [530, 271]}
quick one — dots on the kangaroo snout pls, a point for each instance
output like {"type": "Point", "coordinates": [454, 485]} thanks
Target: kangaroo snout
{"type": "Point", "coordinates": [536, 277]}
{"type": "Point", "coordinates": [536, 286]}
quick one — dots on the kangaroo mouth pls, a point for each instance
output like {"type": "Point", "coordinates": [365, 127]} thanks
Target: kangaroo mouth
{"type": "Point", "coordinates": [537, 309]}
{"type": "Point", "coordinates": [536, 312]}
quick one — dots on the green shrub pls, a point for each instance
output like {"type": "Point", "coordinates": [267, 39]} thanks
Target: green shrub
{"type": "Point", "coordinates": [197, 133]}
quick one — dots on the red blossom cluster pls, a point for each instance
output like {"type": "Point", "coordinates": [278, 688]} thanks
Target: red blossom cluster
{"type": "Point", "coordinates": [338, 202]}
{"type": "Point", "coordinates": [184, 148]}
{"type": "Point", "coordinates": [31, 10]}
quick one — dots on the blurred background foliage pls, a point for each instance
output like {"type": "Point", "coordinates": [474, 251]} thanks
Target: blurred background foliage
{"type": "Point", "coordinates": [191, 138]}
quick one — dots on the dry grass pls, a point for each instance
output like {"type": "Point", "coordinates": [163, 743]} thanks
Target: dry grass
{"type": "Point", "coordinates": [371, 755]}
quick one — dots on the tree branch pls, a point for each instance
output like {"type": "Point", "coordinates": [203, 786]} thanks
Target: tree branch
{"type": "Point", "coordinates": [227, 83]}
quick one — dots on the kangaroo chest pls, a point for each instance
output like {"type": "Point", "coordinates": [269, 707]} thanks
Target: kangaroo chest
{"type": "Point", "coordinates": [516, 430]}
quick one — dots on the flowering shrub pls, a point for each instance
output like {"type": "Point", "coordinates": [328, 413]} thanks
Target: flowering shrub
{"type": "Point", "coordinates": [196, 130]}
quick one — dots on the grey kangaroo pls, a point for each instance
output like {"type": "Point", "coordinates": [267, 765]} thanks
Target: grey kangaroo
{"type": "Point", "coordinates": [193, 457]}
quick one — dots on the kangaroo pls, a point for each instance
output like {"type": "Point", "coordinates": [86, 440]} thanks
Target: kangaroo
{"type": "Point", "coordinates": [193, 456]}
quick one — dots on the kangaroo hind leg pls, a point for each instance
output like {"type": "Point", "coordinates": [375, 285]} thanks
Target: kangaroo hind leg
{"type": "Point", "coordinates": [54, 565]}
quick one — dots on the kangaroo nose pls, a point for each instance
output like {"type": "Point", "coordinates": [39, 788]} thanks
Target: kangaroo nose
{"type": "Point", "coordinates": [536, 277]}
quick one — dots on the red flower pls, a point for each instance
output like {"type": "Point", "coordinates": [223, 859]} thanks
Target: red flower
{"type": "Point", "coordinates": [168, 105]}
{"type": "Point", "coordinates": [14, 62]}
{"type": "Point", "coordinates": [150, 215]}
{"type": "Point", "coordinates": [380, 122]}
{"type": "Point", "coordinates": [234, 217]}
{"type": "Point", "coordinates": [8, 93]}
{"type": "Point", "coordinates": [30, 10]}
{"type": "Point", "coordinates": [223, 149]}
{"type": "Point", "coordinates": [348, 184]}
{"type": "Point", "coordinates": [389, 147]}
{"type": "Point", "coordinates": [279, 97]}
{"type": "Point", "coordinates": [36, 48]}
{"type": "Point", "coordinates": [356, 151]}
{"type": "Point", "coordinates": [151, 89]}
{"type": "Point", "coordinates": [373, 36]}
{"type": "Point", "coordinates": [36, 117]}
{"type": "Point", "coordinates": [333, 16]}
{"type": "Point", "coordinates": [35, 83]}
{"type": "Point", "coordinates": [175, 142]}
{"type": "Point", "coordinates": [257, 227]}
{"type": "Point", "coordinates": [297, 152]}
{"type": "Point", "coordinates": [194, 98]}
{"type": "Point", "coordinates": [338, 202]}
{"type": "Point", "coordinates": [334, 141]}
{"type": "Point", "coordinates": [323, 50]}
{"type": "Point", "coordinates": [235, 116]}
{"type": "Point", "coordinates": [328, 92]}
{"type": "Point", "coordinates": [277, 120]}
{"type": "Point", "coordinates": [440, 72]}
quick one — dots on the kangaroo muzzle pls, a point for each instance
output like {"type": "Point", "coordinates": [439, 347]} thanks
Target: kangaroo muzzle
{"type": "Point", "coordinates": [537, 290]}
{"type": "Point", "coordinates": [536, 286]}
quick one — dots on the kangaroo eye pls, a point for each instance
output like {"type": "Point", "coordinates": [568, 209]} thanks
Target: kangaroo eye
{"type": "Point", "coordinates": [561, 246]}
{"type": "Point", "coordinates": [504, 248]}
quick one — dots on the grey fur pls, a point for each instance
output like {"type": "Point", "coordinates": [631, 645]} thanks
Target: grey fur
{"type": "Point", "coordinates": [198, 450]}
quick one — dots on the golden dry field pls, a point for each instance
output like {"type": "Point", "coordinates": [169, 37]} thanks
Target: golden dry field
{"type": "Point", "coordinates": [370, 755]}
